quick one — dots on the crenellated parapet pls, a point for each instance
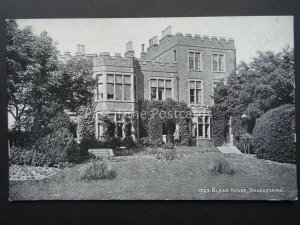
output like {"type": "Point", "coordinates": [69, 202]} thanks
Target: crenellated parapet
{"type": "Point", "coordinates": [105, 59]}
{"type": "Point", "coordinates": [165, 66]}
{"type": "Point", "coordinates": [169, 41]}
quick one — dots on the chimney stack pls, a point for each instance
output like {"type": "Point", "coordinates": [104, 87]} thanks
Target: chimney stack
{"type": "Point", "coordinates": [129, 51]}
{"type": "Point", "coordinates": [166, 32]}
{"type": "Point", "coordinates": [80, 49]}
{"type": "Point", "coordinates": [143, 53]}
{"type": "Point", "coordinates": [153, 41]}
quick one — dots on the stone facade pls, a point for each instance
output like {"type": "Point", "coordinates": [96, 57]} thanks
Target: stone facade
{"type": "Point", "coordinates": [183, 67]}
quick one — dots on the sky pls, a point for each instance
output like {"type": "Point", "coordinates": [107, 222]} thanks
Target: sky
{"type": "Point", "coordinates": [251, 34]}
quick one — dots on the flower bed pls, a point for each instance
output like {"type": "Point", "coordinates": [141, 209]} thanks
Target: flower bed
{"type": "Point", "coordinates": [17, 172]}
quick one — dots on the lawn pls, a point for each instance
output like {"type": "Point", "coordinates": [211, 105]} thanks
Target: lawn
{"type": "Point", "coordinates": [144, 177]}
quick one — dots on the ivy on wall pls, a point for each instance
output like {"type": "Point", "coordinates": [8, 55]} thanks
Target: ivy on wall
{"type": "Point", "coordinates": [220, 119]}
{"type": "Point", "coordinates": [154, 113]}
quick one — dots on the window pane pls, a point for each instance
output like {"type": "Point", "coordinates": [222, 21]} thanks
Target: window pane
{"type": "Point", "coordinates": [110, 78]}
{"type": "Point", "coordinates": [161, 83]}
{"type": "Point", "coordinates": [99, 91]}
{"type": "Point", "coordinates": [119, 117]}
{"type": "Point", "coordinates": [200, 130]}
{"type": "Point", "coordinates": [206, 130]}
{"type": "Point", "coordinates": [194, 130]}
{"type": "Point", "coordinates": [200, 119]}
{"type": "Point", "coordinates": [119, 92]}
{"type": "Point", "coordinates": [215, 62]}
{"type": "Point", "coordinates": [111, 117]}
{"type": "Point", "coordinates": [153, 93]}
{"type": "Point", "coordinates": [198, 84]}
{"type": "Point", "coordinates": [127, 92]}
{"type": "Point", "coordinates": [197, 60]}
{"type": "Point", "coordinates": [160, 93]}
{"type": "Point", "coordinates": [192, 95]}
{"type": "Point", "coordinates": [153, 83]}
{"type": "Point", "coordinates": [120, 129]}
{"type": "Point", "coordinates": [221, 63]}
{"type": "Point", "coordinates": [127, 79]}
{"type": "Point", "coordinates": [99, 78]}
{"type": "Point", "coordinates": [168, 84]}
{"type": "Point", "coordinates": [192, 85]}
{"type": "Point", "coordinates": [128, 129]}
{"type": "Point", "coordinates": [206, 119]}
{"type": "Point", "coordinates": [110, 91]}
{"type": "Point", "coordinates": [191, 60]}
{"type": "Point", "coordinates": [198, 96]}
{"type": "Point", "coordinates": [119, 79]}
{"type": "Point", "coordinates": [168, 92]}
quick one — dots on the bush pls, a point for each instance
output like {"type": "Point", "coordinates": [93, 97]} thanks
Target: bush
{"type": "Point", "coordinates": [129, 143]}
{"type": "Point", "coordinates": [98, 170]}
{"type": "Point", "coordinates": [168, 155]}
{"type": "Point", "coordinates": [221, 166]}
{"type": "Point", "coordinates": [53, 147]}
{"type": "Point", "coordinates": [38, 159]}
{"type": "Point", "coordinates": [168, 146]}
{"type": "Point", "coordinates": [72, 152]}
{"type": "Point", "coordinates": [144, 141]}
{"type": "Point", "coordinates": [20, 156]}
{"type": "Point", "coordinates": [274, 135]}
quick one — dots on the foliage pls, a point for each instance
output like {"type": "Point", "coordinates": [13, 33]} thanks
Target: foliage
{"type": "Point", "coordinates": [129, 143]}
{"type": "Point", "coordinates": [39, 86]}
{"type": "Point", "coordinates": [53, 146]}
{"type": "Point", "coordinates": [168, 146]}
{"type": "Point", "coordinates": [19, 155]}
{"type": "Point", "coordinates": [221, 166]}
{"type": "Point", "coordinates": [155, 113]}
{"type": "Point", "coordinates": [265, 83]}
{"type": "Point", "coordinates": [168, 155]}
{"type": "Point", "coordinates": [72, 151]}
{"type": "Point", "coordinates": [220, 119]}
{"type": "Point", "coordinates": [274, 135]}
{"type": "Point", "coordinates": [98, 170]}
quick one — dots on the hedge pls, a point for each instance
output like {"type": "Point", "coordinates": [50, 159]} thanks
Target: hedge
{"type": "Point", "coordinates": [274, 135]}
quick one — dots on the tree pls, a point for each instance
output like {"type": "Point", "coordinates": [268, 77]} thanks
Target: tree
{"type": "Point", "coordinates": [263, 84]}
{"type": "Point", "coordinates": [39, 86]}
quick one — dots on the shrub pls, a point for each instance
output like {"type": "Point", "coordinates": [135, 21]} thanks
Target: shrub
{"type": "Point", "coordinates": [72, 152]}
{"type": "Point", "coordinates": [53, 147]}
{"type": "Point", "coordinates": [20, 156]}
{"type": "Point", "coordinates": [98, 170]}
{"type": "Point", "coordinates": [128, 142]}
{"type": "Point", "coordinates": [221, 166]}
{"type": "Point", "coordinates": [168, 155]}
{"type": "Point", "coordinates": [274, 135]}
{"type": "Point", "coordinates": [38, 159]}
{"type": "Point", "coordinates": [168, 146]}
{"type": "Point", "coordinates": [144, 141]}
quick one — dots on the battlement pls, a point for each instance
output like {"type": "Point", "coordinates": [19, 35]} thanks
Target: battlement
{"type": "Point", "coordinates": [204, 38]}
{"type": "Point", "coordinates": [168, 40]}
{"type": "Point", "coordinates": [165, 66]}
{"type": "Point", "coordinates": [106, 59]}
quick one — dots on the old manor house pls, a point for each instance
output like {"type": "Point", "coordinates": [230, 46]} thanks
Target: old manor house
{"type": "Point", "coordinates": [182, 67]}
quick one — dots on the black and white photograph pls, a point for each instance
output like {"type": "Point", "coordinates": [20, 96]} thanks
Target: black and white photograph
{"type": "Point", "coordinates": [169, 108]}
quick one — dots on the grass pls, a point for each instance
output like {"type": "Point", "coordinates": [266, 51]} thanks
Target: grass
{"type": "Point", "coordinates": [145, 177]}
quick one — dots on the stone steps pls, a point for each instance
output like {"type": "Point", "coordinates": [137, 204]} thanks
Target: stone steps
{"type": "Point", "coordinates": [229, 150]}
{"type": "Point", "coordinates": [101, 152]}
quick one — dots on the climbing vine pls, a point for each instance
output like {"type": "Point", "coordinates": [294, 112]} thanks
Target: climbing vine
{"type": "Point", "coordinates": [155, 113]}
